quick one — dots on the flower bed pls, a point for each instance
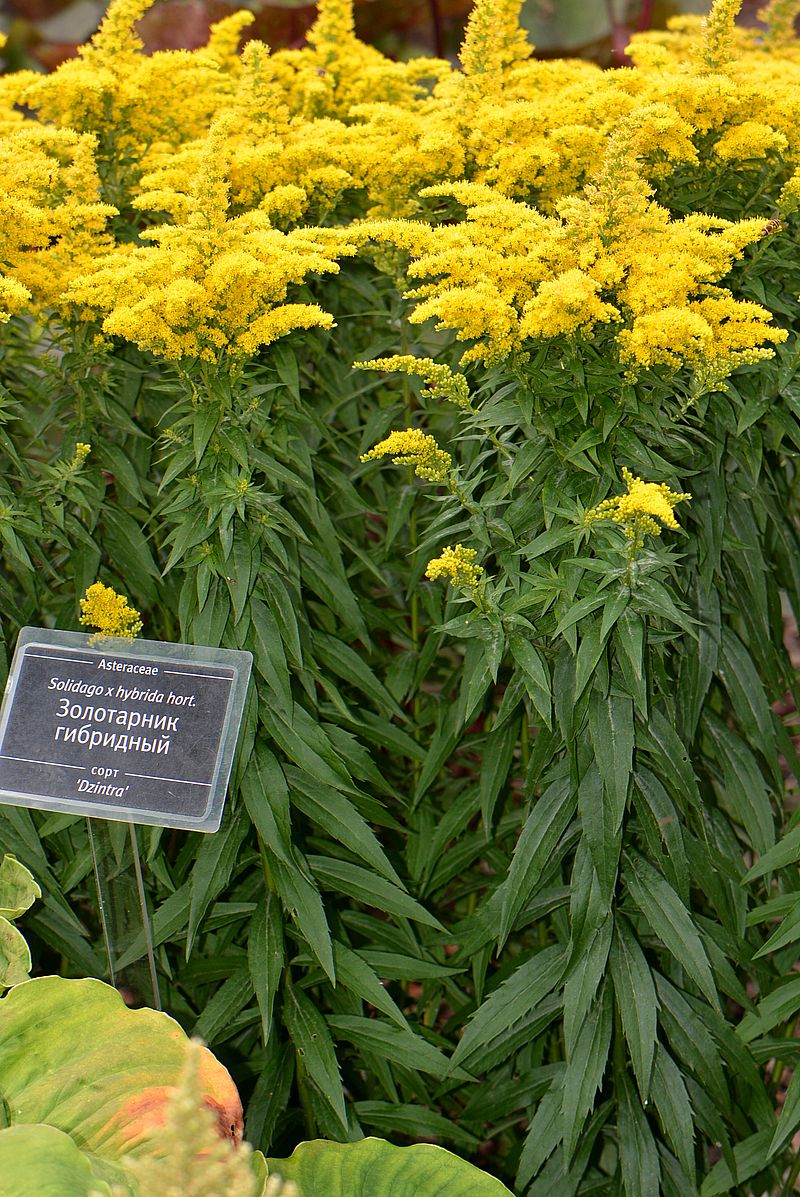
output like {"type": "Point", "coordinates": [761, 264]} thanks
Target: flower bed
{"type": "Point", "coordinates": [509, 860]}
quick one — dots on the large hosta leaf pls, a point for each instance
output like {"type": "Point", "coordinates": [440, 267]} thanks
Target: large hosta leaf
{"type": "Point", "coordinates": [74, 1056]}
{"type": "Point", "coordinates": [18, 889]}
{"type": "Point", "coordinates": [40, 1161]}
{"type": "Point", "coordinates": [373, 1168]}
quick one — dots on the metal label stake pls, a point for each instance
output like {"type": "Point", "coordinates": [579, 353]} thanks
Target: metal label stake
{"type": "Point", "coordinates": [124, 912]}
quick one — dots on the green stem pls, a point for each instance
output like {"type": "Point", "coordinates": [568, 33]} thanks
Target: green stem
{"type": "Point", "coordinates": [525, 743]}
{"type": "Point", "coordinates": [305, 1099]}
{"type": "Point", "coordinates": [416, 706]}
{"type": "Point", "coordinates": [794, 1172]}
{"type": "Point", "coordinates": [266, 870]}
{"type": "Point", "coordinates": [619, 1042]}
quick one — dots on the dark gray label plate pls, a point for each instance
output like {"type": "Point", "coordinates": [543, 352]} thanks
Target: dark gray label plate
{"type": "Point", "coordinates": [137, 730]}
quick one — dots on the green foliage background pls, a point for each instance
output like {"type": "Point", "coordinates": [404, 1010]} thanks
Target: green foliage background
{"type": "Point", "coordinates": [481, 879]}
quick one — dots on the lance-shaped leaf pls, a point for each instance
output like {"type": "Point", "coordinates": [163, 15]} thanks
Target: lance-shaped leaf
{"type": "Point", "coordinates": [612, 733]}
{"type": "Point", "coordinates": [671, 922]}
{"type": "Point", "coordinates": [635, 996]}
{"type": "Point", "coordinates": [543, 828]}
{"type": "Point", "coordinates": [585, 1069]}
{"type": "Point", "coordinates": [637, 1149]}
{"type": "Point", "coordinates": [512, 1000]}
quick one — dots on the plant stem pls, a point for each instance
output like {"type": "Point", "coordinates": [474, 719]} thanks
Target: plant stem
{"type": "Point", "coordinates": [266, 870]}
{"type": "Point", "coordinates": [305, 1100]}
{"type": "Point", "coordinates": [437, 27]}
{"type": "Point", "coordinates": [794, 1172]}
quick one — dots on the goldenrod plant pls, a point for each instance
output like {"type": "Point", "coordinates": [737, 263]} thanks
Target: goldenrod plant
{"type": "Point", "coordinates": [509, 855]}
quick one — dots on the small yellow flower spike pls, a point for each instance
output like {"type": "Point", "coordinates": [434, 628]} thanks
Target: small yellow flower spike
{"type": "Point", "coordinates": [457, 565]}
{"type": "Point", "coordinates": [717, 48]}
{"type": "Point", "coordinates": [415, 448]}
{"type": "Point", "coordinates": [440, 381]}
{"type": "Point", "coordinates": [82, 451]}
{"type": "Point", "coordinates": [639, 510]}
{"type": "Point", "coordinates": [104, 609]}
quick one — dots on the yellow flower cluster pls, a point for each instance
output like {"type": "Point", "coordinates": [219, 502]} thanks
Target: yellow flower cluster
{"type": "Point", "coordinates": [50, 215]}
{"type": "Point", "coordinates": [104, 609]}
{"type": "Point", "coordinates": [182, 198]}
{"type": "Point", "coordinates": [641, 509]}
{"type": "Point", "coordinates": [440, 380]}
{"type": "Point", "coordinates": [82, 451]}
{"type": "Point", "coordinates": [416, 448]}
{"type": "Point", "coordinates": [457, 565]}
{"type": "Point", "coordinates": [210, 283]}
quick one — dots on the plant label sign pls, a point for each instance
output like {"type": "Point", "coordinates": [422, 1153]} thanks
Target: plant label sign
{"type": "Point", "coordinates": [137, 730]}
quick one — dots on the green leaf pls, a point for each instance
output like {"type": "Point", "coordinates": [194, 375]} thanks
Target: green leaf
{"type": "Point", "coordinates": [204, 422]}
{"type": "Point", "coordinates": [544, 1134]}
{"type": "Point", "coordinates": [40, 1161]}
{"type": "Point", "coordinates": [349, 665]}
{"type": "Point", "coordinates": [778, 1006]}
{"type": "Point", "coordinates": [396, 967]}
{"type": "Point", "coordinates": [641, 1174]}
{"type": "Point", "coordinates": [392, 1042]}
{"type": "Point", "coordinates": [673, 765]}
{"type": "Point", "coordinates": [339, 818]}
{"type": "Point", "coordinates": [789, 1120]}
{"type": "Point", "coordinates": [785, 852]}
{"type": "Point", "coordinates": [270, 1095]}
{"type": "Point", "coordinates": [598, 816]}
{"type": "Point", "coordinates": [629, 643]}
{"type": "Point", "coordinates": [374, 1168]}
{"type": "Point", "coordinates": [672, 923]}
{"type": "Point", "coordinates": [354, 972]}
{"type": "Point", "coordinates": [229, 1000]}
{"type": "Point", "coordinates": [302, 900]}
{"type": "Point", "coordinates": [265, 956]}
{"type": "Point", "coordinates": [15, 958]}
{"type": "Point", "coordinates": [744, 793]}
{"type": "Point", "coordinates": [751, 1156]}
{"type": "Point", "coordinates": [103, 1071]}
{"type": "Point", "coordinates": [635, 995]}
{"type": "Point", "coordinates": [740, 678]}
{"type": "Point", "coordinates": [212, 871]}
{"type": "Point", "coordinates": [312, 1040]}
{"type": "Point", "coordinates": [498, 753]}
{"type": "Point", "coordinates": [674, 1110]}
{"type": "Point", "coordinates": [612, 733]}
{"type": "Point", "coordinates": [583, 980]}
{"type": "Point", "coordinates": [589, 653]}
{"type": "Point", "coordinates": [689, 1039]}
{"type": "Point", "coordinates": [417, 1122]}
{"type": "Point", "coordinates": [544, 826]}
{"type": "Point", "coordinates": [512, 1000]}
{"type": "Point", "coordinates": [268, 651]}
{"type": "Point", "coordinates": [366, 887]}
{"type": "Point", "coordinates": [536, 673]}
{"type": "Point", "coordinates": [18, 889]}
{"type": "Point", "coordinates": [585, 1070]}
{"type": "Point", "coordinates": [661, 823]}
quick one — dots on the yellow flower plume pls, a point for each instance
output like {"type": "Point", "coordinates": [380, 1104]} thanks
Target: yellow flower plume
{"type": "Point", "coordinates": [440, 380]}
{"type": "Point", "coordinates": [104, 609]}
{"type": "Point", "coordinates": [457, 565]}
{"type": "Point", "coordinates": [415, 448]}
{"type": "Point", "coordinates": [640, 509]}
